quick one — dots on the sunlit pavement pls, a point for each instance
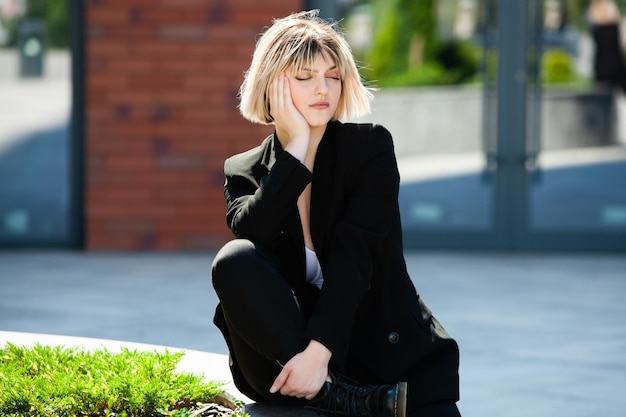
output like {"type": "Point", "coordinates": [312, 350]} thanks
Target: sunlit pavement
{"type": "Point", "coordinates": [540, 335]}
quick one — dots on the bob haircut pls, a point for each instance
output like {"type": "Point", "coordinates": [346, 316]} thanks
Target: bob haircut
{"type": "Point", "coordinates": [291, 44]}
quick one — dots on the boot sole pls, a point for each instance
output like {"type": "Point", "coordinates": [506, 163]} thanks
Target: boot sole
{"type": "Point", "coordinates": [401, 399]}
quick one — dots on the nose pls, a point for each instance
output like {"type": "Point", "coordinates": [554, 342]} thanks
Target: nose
{"type": "Point", "coordinates": [322, 87]}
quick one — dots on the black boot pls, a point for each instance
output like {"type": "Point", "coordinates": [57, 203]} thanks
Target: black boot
{"type": "Point", "coordinates": [342, 398]}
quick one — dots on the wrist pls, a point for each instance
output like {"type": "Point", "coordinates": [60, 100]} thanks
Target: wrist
{"type": "Point", "coordinates": [298, 146]}
{"type": "Point", "coordinates": [318, 349]}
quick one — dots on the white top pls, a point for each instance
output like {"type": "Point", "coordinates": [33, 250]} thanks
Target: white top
{"type": "Point", "coordinates": [313, 268]}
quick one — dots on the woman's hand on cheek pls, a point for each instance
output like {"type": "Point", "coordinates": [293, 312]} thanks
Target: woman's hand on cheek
{"type": "Point", "coordinates": [292, 128]}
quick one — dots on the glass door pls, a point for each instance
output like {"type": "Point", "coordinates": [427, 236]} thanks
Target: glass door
{"type": "Point", "coordinates": [440, 105]}
{"type": "Point", "coordinates": [39, 190]}
{"type": "Point", "coordinates": [576, 148]}
{"type": "Point", "coordinates": [528, 152]}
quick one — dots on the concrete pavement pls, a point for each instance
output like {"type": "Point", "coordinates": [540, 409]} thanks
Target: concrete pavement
{"type": "Point", "coordinates": [540, 335]}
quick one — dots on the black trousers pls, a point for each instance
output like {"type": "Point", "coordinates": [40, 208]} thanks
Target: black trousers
{"type": "Point", "coordinates": [265, 325]}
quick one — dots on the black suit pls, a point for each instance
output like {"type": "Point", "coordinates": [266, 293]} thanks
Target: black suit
{"type": "Point", "coordinates": [368, 313]}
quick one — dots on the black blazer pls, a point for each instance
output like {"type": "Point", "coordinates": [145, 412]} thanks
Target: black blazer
{"type": "Point", "coordinates": [368, 313]}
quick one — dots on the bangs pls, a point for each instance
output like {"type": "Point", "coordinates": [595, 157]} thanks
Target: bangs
{"type": "Point", "coordinates": [306, 54]}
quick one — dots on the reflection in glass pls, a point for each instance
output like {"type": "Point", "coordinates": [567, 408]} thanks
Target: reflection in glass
{"type": "Point", "coordinates": [581, 183]}
{"type": "Point", "coordinates": [35, 102]}
{"type": "Point", "coordinates": [432, 99]}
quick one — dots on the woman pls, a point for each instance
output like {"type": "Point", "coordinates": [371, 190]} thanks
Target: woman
{"type": "Point", "coordinates": [314, 292]}
{"type": "Point", "coordinates": [608, 61]}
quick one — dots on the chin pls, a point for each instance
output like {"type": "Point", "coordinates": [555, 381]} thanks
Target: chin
{"type": "Point", "coordinates": [319, 122]}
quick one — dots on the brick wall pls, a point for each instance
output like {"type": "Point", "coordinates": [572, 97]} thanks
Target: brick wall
{"type": "Point", "coordinates": [161, 84]}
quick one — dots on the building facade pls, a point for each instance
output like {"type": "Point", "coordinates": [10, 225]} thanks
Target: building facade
{"type": "Point", "coordinates": [161, 83]}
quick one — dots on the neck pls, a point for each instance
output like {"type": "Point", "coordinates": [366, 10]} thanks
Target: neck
{"type": "Point", "coordinates": [314, 140]}
{"type": "Point", "coordinates": [317, 133]}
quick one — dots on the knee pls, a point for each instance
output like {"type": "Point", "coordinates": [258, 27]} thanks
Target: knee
{"type": "Point", "coordinates": [230, 262]}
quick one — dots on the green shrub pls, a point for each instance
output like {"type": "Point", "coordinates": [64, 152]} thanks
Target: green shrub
{"type": "Point", "coordinates": [61, 382]}
{"type": "Point", "coordinates": [557, 67]}
{"type": "Point", "coordinates": [456, 63]}
{"type": "Point", "coordinates": [406, 51]}
{"type": "Point", "coordinates": [431, 73]}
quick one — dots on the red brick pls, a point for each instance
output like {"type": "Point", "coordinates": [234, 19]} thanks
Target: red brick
{"type": "Point", "coordinates": [194, 4]}
{"type": "Point", "coordinates": [123, 3]}
{"type": "Point", "coordinates": [126, 226]}
{"type": "Point", "coordinates": [202, 242]}
{"type": "Point", "coordinates": [129, 131]}
{"type": "Point", "coordinates": [183, 32]}
{"type": "Point", "coordinates": [181, 162]}
{"type": "Point", "coordinates": [156, 48]}
{"type": "Point", "coordinates": [100, 242]}
{"type": "Point", "coordinates": [104, 81]}
{"type": "Point", "coordinates": [125, 31]}
{"type": "Point", "coordinates": [109, 49]}
{"type": "Point", "coordinates": [129, 66]}
{"type": "Point", "coordinates": [125, 162]}
{"type": "Point", "coordinates": [155, 82]}
{"type": "Point", "coordinates": [110, 14]}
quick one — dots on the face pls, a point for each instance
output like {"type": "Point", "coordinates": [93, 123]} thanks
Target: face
{"type": "Point", "coordinates": [316, 91]}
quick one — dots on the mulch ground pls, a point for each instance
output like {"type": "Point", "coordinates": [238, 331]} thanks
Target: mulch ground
{"type": "Point", "coordinates": [223, 406]}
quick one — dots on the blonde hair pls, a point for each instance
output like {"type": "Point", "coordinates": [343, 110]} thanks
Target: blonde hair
{"type": "Point", "coordinates": [291, 44]}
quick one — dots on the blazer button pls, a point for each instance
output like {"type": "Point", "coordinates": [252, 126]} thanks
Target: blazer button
{"type": "Point", "coordinates": [393, 337]}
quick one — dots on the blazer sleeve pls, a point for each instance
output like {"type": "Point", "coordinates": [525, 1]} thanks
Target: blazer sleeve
{"type": "Point", "coordinates": [258, 201]}
{"type": "Point", "coordinates": [366, 221]}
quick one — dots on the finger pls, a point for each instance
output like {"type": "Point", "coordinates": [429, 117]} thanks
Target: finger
{"type": "Point", "coordinates": [280, 85]}
{"type": "Point", "coordinates": [279, 381]}
{"type": "Point", "coordinates": [286, 89]}
{"type": "Point", "coordinates": [273, 91]}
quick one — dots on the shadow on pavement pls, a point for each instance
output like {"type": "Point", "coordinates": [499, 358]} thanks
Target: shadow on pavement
{"type": "Point", "coordinates": [580, 197]}
{"type": "Point", "coordinates": [35, 187]}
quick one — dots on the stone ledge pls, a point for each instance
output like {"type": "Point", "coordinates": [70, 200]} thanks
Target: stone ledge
{"type": "Point", "coordinates": [277, 410]}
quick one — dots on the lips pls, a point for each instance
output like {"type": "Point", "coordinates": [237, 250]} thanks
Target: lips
{"type": "Point", "coordinates": [320, 105]}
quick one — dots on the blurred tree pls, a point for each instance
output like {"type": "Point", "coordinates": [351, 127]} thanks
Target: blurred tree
{"type": "Point", "coordinates": [404, 36]}
{"type": "Point", "coordinates": [406, 49]}
{"type": "Point", "coordinates": [54, 14]}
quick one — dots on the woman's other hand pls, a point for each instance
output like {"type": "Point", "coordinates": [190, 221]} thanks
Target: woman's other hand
{"type": "Point", "coordinates": [305, 373]}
